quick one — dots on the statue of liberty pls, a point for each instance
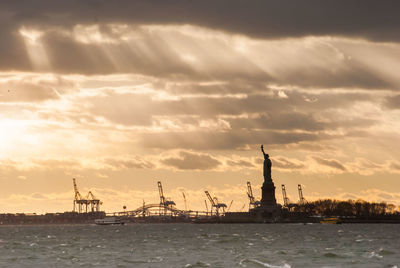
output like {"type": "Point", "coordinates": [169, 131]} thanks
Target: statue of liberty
{"type": "Point", "coordinates": [267, 167]}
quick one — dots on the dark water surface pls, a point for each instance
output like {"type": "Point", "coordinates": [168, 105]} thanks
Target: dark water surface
{"type": "Point", "coordinates": [208, 245]}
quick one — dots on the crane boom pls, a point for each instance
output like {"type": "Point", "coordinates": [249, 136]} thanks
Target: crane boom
{"type": "Point", "coordinates": [250, 193]}
{"type": "Point", "coordinates": [285, 198]}
{"type": "Point", "coordinates": [77, 194]}
{"type": "Point", "coordinates": [215, 204]}
{"type": "Point", "coordinates": [164, 202]}
{"type": "Point", "coordinates": [210, 198]}
{"type": "Point", "coordinates": [161, 193]}
{"type": "Point", "coordinates": [253, 203]}
{"type": "Point", "coordinates": [229, 207]}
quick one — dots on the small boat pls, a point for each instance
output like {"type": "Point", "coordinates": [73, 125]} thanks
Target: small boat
{"type": "Point", "coordinates": [109, 221]}
{"type": "Point", "coordinates": [331, 220]}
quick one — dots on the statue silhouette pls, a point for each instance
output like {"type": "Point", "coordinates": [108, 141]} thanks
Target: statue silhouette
{"type": "Point", "coordinates": [267, 167]}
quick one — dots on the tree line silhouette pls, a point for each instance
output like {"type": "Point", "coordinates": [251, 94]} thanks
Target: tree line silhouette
{"type": "Point", "coordinates": [350, 208]}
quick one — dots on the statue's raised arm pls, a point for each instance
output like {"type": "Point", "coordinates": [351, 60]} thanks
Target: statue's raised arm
{"type": "Point", "coordinates": [262, 149]}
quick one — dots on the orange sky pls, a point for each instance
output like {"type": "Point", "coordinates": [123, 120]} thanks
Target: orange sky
{"type": "Point", "coordinates": [181, 94]}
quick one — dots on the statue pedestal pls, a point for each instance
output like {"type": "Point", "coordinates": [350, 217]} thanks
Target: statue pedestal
{"type": "Point", "coordinates": [268, 211]}
{"type": "Point", "coordinates": [268, 195]}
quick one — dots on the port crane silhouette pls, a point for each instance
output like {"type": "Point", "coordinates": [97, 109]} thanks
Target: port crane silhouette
{"type": "Point", "coordinates": [164, 202]}
{"type": "Point", "coordinates": [86, 204]}
{"type": "Point", "coordinates": [302, 200]}
{"type": "Point", "coordinates": [253, 203]}
{"type": "Point", "coordinates": [215, 204]}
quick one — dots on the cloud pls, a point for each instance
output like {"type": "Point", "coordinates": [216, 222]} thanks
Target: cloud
{"type": "Point", "coordinates": [392, 102]}
{"type": "Point", "coordinates": [395, 166]}
{"type": "Point", "coordinates": [181, 54]}
{"type": "Point", "coordinates": [330, 163]}
{"type": "Point", "coordinates": [13, 52]}
{"type": "Point", "coordinates": [279, 121]}
{"type": "Point", "coordinates": [262, 19]}
{"type": "Point", "coordinates": [24, 91]}
{"type": "Point", "coordinates": [128, 109]}
{"type": "Point", "coordinates": [287, 164]}
{"type": "Point", "coordinates": [240, 163]}
{"type": "Point", "coordinates": [366, 167]}
{"type": "Point", "coordinates": [239, 139]}
{"type": "Point", "coordinates": [191, 161]}
{"type": "Point", "coordinates": [49, 163]}
{"type": "Point", "coordinates": [132, 163]}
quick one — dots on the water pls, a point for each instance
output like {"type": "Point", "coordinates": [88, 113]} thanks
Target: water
{"type": "Point", "coordinates": [208, 245]}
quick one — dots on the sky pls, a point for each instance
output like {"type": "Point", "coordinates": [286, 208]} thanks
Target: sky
{"type": "Point", "coordinates": [122, 94]}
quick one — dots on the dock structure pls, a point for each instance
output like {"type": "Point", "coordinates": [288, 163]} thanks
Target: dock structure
{"type": "Point", "coordinates": [164, 211]}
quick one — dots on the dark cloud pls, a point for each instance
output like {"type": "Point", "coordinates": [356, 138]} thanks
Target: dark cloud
{"type": "Point", "coordinates": [223, 124]}
{"type": "Point", "coordinates": [13, 54]}
{"type": "Point", "coordinates": [395, 166]}
{"type": "Point", "coordinates": [279, 121]}
{"type": "Point", "coordinates": [233, 86]}
{"type": "Point", "coordinates": [349, 74]}
{"type": "Point", "coordinates": [240, 163]}
{"type": "Point", "coordinates": [267, 112]}
{"type": "Point", "coordinates": [128, 163]}
{"type": "Point", "coordinates": [312, 147]}
{"type": "Point", "coordinates": [27, 91]}
{"type": "Point", "coordinates": [283, 163]}
{"type": "Point", "coordinates": [257, 103]}
{"type": "Point", "coordinates": [202, 140]}
{"type": "Point", "coordinates": [377, 20]}
{"type": "Point", "coordinates": [192, 161]}
{"type": "Point", "coordinates": [68, 56]}
{"type": "Point", "coordinates": [393, 102]}
{"type": "Point", "coordinates": [330, 163]}
{"type": "Point", "coordinates": [151, 53]}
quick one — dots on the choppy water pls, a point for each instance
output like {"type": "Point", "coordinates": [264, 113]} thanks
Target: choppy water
{"type": "Point", "coordinates": [191, 245]}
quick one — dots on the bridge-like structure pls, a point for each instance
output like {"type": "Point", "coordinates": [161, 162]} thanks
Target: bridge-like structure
{"type": "Point", "coordinates": [149, 210]}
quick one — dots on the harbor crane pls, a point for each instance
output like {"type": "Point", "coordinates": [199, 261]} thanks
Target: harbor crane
{"type": "Point", "coordinates": [286, 202]}
{"type": "Point", "coordinates": [302, 201]}
{"type": "Point", "coordinates": [164, 202]}
{"type": "Point", "coordinates": [215, 204]}
{"type": "Point", "coordinates": [78, 200]}
{"type": "Point", "coordinates": [285, 198]}
{"type": "Point", "coordinates": [253, 203]}
{"type": "Point", "coordinates": [82, 204]}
